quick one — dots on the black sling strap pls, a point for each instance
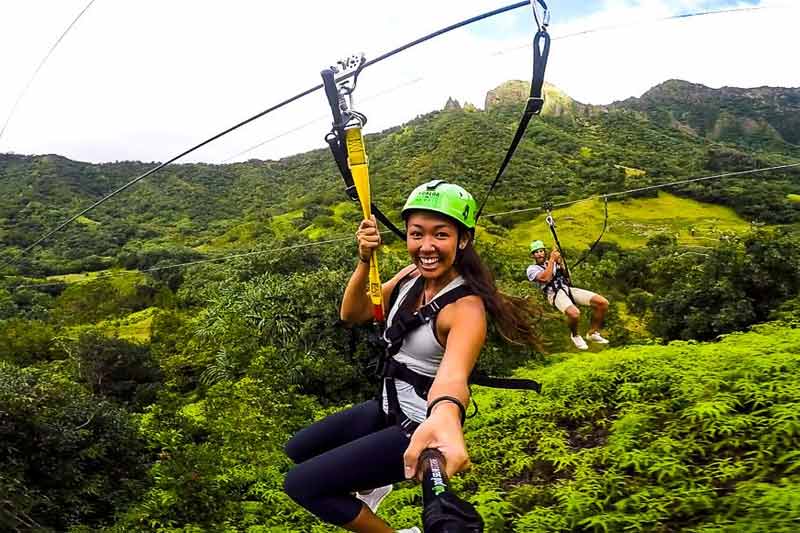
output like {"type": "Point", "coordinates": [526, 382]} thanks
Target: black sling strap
{"type": "Point", "coordinates": [597, 241]}
{"type": "Point", "coordinates": [541, 49]}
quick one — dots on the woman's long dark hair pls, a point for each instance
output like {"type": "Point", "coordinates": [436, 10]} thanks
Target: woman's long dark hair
{"type": "Point", "coordinates": [515, 318]}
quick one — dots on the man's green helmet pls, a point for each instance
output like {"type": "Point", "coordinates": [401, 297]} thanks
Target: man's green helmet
{"type": "Point", "coordinates": [537, 245]}
{"type": "Point", "coordinates": [446, 198]}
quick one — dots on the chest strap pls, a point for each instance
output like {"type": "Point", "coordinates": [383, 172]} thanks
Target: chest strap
{"type": "Point", "coordinates": [559, 282]}
{"type": "Point", "coordinates": [405, 321]}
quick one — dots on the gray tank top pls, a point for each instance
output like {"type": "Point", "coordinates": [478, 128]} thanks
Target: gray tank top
{"type": "Point", "coordinates": [420, 352]}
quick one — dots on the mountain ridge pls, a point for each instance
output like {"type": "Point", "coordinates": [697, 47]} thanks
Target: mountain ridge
{"type": "Point", "coordinates": [573, 150]}
{"type": "Point", "coordinates": [752, 117]}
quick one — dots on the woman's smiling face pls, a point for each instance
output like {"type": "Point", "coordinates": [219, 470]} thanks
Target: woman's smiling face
{"type": "Point", "coordinates": [432, 243]}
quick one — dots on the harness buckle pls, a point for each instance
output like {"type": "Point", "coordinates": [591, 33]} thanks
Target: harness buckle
{"type": "Point", "coordinates": [429, 311]}
{"type": "Point", "coordinates": [534, 105]}
{"type": "Point", "coordinates": [352, 192]}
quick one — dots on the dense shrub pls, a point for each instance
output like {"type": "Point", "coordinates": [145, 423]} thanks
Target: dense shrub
{"type": "Point", "coordinates": [221, 462]}
{"type": "Point", "coordinates": [66, 458]}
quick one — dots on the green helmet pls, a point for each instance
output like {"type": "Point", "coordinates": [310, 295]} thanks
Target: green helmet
{"type": "Point", "coordinates": [446, 198]}
{"type": "Point", "coordinates": [537, 245]}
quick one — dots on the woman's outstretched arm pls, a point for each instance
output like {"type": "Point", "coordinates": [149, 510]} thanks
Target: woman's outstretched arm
{"type": "Point", "coordinates": [442, 429]}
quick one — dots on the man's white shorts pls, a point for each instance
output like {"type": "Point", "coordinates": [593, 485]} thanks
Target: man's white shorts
{"type": "Point", "coordinates": [562, 301]}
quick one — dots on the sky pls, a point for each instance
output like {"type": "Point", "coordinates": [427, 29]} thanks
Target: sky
{"type": "Point", "coordinates": [146, 79]}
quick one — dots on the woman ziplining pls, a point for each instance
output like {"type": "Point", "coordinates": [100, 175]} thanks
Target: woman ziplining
{"type": "Point", "coordinates": [437, 322]}
{"type": "Point", "coordinates": [425, 388]}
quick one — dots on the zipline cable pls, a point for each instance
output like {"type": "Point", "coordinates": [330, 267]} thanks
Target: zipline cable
{"type": "Point", "coordinates": [302, 94]}
{"type": "Point", "coordinates": [299, 96]}
{"type": "Point", "coordinates": [612, 27]}
{"type": "Point", "coordinates": [41, 65]}
{"type": "Point", "coordinates": [662, 19]}
{"type": "Point", "coordinates": [341, 239]}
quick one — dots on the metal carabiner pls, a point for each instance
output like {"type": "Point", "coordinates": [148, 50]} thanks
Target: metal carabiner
{"type": "Point", "coordinates": [545, 14]}
{"type": "Point", "coordinates": [351, 65]}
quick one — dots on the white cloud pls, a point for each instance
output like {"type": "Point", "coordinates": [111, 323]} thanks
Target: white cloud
{"type": "Point", "coordinates": [146, 79]}
{"type": "Point", "coordinates": [736, 49]}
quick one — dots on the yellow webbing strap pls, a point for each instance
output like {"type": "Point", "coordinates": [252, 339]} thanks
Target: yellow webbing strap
{"type": "Point", "coordinates": [358, 162]}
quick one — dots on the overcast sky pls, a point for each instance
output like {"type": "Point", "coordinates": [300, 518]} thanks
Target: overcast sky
{"type": "Point", "coordinates": [146, 79]}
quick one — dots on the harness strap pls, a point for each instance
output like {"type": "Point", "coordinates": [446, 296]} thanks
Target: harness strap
{"type": "Point", "coordinates": [420, 382]}
{"type": "Point", "coordinates": [566, 278]}
{"type": "Point", "coordinates": [406, 322]}
{"type": "Point", "coordinates": [396, 414]}
{"type": "Point", "coordinates": [403, 322]}
{"type": "Point", "coordinates": [396, 291]}
{"type": "Point", "coordinates": [557, 283]}
{"type": "Point", "coordinates": [423, 383]}
{"type": "Point", "coordinates": [505, 383]}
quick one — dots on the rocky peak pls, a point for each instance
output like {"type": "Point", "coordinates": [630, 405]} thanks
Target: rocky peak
{"type": "Point", "coordinates": [556, 101]}
{"type": "Point", "coordinates": [679, 89]}
{"type": "Point", "coordinates": [509, 92]}
{"type": "Point", "coordinates": [452, 105]}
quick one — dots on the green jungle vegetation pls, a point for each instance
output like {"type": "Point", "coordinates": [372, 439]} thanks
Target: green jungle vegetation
{"type": "Point", "coordinates": [135, 397]}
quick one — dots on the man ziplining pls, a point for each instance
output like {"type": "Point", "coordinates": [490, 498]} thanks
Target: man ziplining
{"type": "Point", "coordinates": [548, 273]}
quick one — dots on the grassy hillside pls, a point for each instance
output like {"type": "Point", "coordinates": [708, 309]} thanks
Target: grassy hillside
{"type": "Point", "coordinates": [632, 222]}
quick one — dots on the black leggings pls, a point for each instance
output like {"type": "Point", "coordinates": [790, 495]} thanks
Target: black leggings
{"type": "Point", "coordinates": [352, 450]}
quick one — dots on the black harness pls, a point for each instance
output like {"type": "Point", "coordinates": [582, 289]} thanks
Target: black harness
{"type": "Point", "coordinates": [405, 320]}
{"type": "Point", "coordinates": [559, 282]}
